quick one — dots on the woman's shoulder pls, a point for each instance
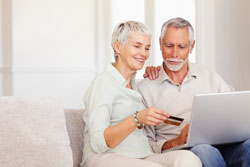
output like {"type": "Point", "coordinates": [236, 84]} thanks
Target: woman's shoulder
{"type": "Point", "coordinates": [101, 81]}
{"type": "Point", "coordinates": [103, 78]}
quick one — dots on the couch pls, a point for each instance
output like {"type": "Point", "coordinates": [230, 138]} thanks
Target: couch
{"type": "Point", "coordinates": [38, 132]}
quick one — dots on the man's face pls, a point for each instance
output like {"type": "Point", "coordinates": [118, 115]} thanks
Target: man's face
{"type": "Point", "coordinates": [176, 45]}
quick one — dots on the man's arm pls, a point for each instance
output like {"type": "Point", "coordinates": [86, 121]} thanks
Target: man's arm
{"type": "Point", "coordinates": [179, 140]}
{"type": "Point", "coordinates": [161, 145]}
{"type": "Point", "coordinates": [151, 131]}
{"type": "Point", "coordinates": [222, 85]}
{"type": "Point", "coordinates": [155, 145]}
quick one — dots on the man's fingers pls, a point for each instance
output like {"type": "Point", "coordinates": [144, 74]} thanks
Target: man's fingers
{"type": "Point", "coordinates": [186, 128]}
{"type": "Point", "coordinates": [184, 132]}
{"type": "Point", "coordinates": [156, 73]}
{"type": "Point", "coordinates": [183, 137]}
{"type": "Point", "coordinates": [152, 73]}
{"type": "Point", "coordinates": [148, 72]}
{"type": "Point", "coordinates": [158, 68]}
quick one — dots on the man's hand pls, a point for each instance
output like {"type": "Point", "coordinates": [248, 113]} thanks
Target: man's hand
{"type": "Point", "coordinates": [152, 116]}
{"type": "Point", "coordinates": [179, 140]}
{"type": "Point", "coordinates": [184, 134]}
{"type": "Point", "coordinates": [152, 72]}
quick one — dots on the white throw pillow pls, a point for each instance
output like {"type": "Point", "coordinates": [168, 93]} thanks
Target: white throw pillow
{"type": "Point", "coordinates": [33, 133]}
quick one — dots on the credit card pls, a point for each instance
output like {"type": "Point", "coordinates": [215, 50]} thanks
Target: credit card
{"type": "Point", "coordinates": [174, 121]}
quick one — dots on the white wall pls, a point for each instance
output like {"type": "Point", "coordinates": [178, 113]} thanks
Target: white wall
{"type": "Point", "coordinates": [120, 13]}
{"type": "Point", "coordinates": [6, 47]}
{"type": "Point", "coordinates": [1, 48]}
{"type": "Point", "coordinates": [50, 50]}
{"type": "Point", "coordinates": [205, 32]}
{"type": "Point", "coordinates": [54, 48]}
{"type": "Point", "coordinates": [1, 35]}
{"type": "Point", "coordinates": [223, 31]}
{"type": "Point", "coordinates": [232, 41]}
{"type": "Point", "coordinates": [167, 9]}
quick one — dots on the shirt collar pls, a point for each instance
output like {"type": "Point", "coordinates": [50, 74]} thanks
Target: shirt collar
{"type": "Point", "coordinates": [118, 76]}
{"type": "Point", "coordinates": [191, 70]}
{"type": "Point", "coordinates": [192, 73]}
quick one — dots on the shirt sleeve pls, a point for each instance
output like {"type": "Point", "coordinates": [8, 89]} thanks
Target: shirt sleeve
{"type": "Point", "coordinates": [98, 102]}
{"type": "Point", "coordinates": [222, 86]}
{"type": "Point", "coordinates": [151, 134]}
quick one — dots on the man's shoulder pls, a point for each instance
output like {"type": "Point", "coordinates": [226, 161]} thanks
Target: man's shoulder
{"type": "Point", "coordinates": [209, 76]}
{"type": "Point", "coordinates": [199, 67]}
{"type": "Point", "coordinates": [203, 70]}
{"type": "Point", "coordinates": [147, 85]}
{"type": "Point", "coordinates": [147, 82]}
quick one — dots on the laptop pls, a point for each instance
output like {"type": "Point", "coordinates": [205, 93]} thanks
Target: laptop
{"type": "Point", "coordinates": [219, 118]}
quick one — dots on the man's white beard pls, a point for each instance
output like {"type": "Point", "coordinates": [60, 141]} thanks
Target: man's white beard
{"type": "Point", "coordinates": [176, 67]}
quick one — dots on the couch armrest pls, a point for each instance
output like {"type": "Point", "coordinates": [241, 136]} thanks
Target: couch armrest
{"type": "Point", "coordinates": [75, 127]}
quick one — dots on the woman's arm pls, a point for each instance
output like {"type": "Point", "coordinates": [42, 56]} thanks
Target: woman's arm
{"type": "Point", "coordinates": [114, 135]}
{"type": "Point", "coordinates": [98, 112]}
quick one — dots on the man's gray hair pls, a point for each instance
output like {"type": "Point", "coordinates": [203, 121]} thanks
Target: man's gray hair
{"type": "Point", "coordinates": [123, 30]}
{"type": "Point", "coordinates": [178, 22]}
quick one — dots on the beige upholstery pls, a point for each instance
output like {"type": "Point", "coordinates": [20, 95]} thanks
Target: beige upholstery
{"type": "Point", "coordinates": [37, 132]}
{"type": "Point", "coordinates": [75, 129]}
{"type": "Point", "coordinates": [33, 133]}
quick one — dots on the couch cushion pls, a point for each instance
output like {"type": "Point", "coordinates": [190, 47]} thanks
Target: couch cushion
{"type": "Point", "coordinates": [33, 133]}
{"type": "Point", "coordinates": [75, 126]}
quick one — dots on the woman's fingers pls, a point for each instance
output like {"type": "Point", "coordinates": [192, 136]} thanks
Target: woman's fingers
{"type": "Point", "coordinates": [156, 116]}
{"type": "Point", "coordinates": [152, 116]}
{"type": "Point", "coordinates": [156, 111]}
{"type": "Point", "coordinates": [153, 121]}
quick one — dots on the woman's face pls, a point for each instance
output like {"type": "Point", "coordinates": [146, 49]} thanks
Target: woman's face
{"type": "Point", "coordinates": [135, 51]}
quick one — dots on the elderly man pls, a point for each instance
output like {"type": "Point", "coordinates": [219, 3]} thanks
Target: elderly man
{"type": "Point", "coordinates": [172, 86]}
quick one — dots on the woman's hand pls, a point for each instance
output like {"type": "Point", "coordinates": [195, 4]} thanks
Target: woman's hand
{"type": "Point", "coordinates": [114, 135]}
{"type": "Point", "coordinates": [152, 116]}
{"type": "Point", "coordinates": [152, 72]}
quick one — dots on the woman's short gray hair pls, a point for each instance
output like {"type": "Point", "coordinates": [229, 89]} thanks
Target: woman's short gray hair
{"type": "Point", "coordinates": [178, 22]}
{"type": "Point", "coordinates": [122, 31]}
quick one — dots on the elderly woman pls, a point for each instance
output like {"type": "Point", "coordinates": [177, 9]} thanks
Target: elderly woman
{"type": "Point", "coordinates": [115, 115]}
